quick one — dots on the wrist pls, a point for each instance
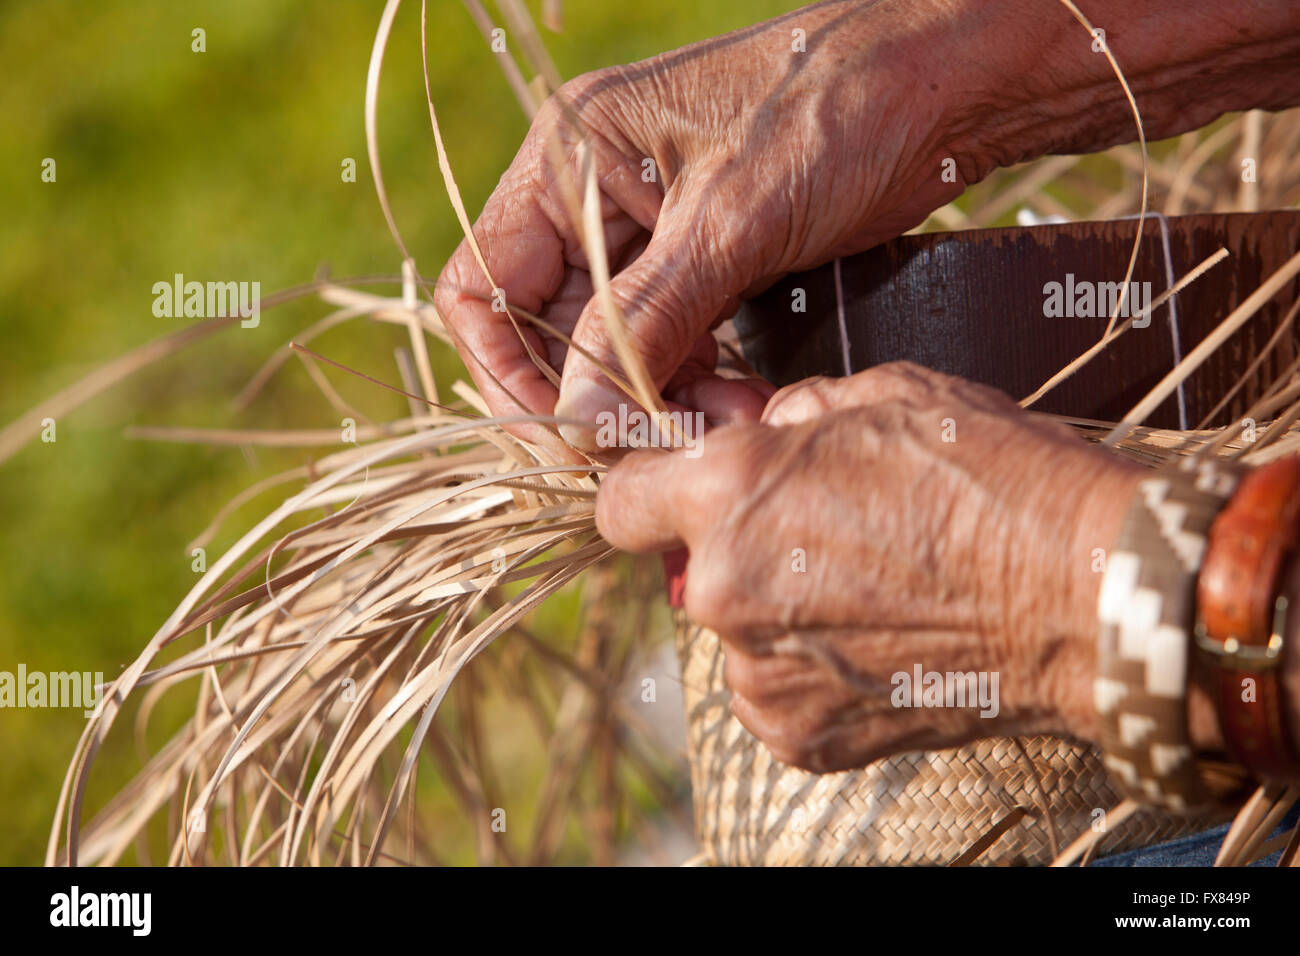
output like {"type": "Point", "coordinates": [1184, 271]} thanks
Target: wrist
{"type": "Point", "coordinates": [1070, 503]}
{"type": "Point", "coordinates": [1093, 530]}
{"type": "Point", "coordinates": [1097, 525]}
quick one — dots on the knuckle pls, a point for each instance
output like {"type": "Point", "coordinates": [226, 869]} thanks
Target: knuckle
{"type": "Point", "coordinates": [712, 598]}
{"type": "Point", "coordinates": [741, 673]}
{"type": "Point", "coordinates": [736, 448]}
{"type": "Point", "coordinates": [801, 758]}
{"type": "Point", "coordinates": [548, 115]}
{"type": "Point", "coordinates": [664, 316]}
{"type": "Point", "coordinates": [901, 374]}
{"type": "Point", "coordinates": [787, 757]}
{"type": "Point", "coordinates": [912, 386]}
{"type": "Point", "coordinates": [616, 497]}
{"type": "Point", "coordinates": [572, 95]}
{"type": "Point", "coordinates": [902, 368]}
{"type": "Point", "coordinates": [987, 398]}
{"type": "Point", "coordinates": [594, 98]}
{"type": "Point", "coordinates": [792, 749]}
{"type": "Point", "coordinates": [799, 402]}
{"type": "Point", "coordinates": [455, 282]}
{"type": "Point", "coordinates": [581, 89]}
{"type": "Point", "coordinates": [770, 729]}
{"type": "Point", "coordinates": [716, 249]}
{"type": "Point", "coordinates": [734, 457]}
{"type": "Point", "coordinates": [821, 753]}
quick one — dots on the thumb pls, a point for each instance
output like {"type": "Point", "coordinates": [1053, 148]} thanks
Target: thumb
{"type": "Point", "coordinates": [668, 297]}
{"type": "Point", "coordinates": [821, 395]}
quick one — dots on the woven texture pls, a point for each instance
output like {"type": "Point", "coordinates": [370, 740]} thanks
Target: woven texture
{"type": "Point", "coordinates": [918, 808]}
{"type": "Point", "coordinates": [1147, 606]}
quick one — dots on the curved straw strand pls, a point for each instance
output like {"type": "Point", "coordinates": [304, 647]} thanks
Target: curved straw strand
{"type": "Point", "coordinates": [1122, 301]}
{"type": "Point", "coordinates": [1203, 267]}
{"type": "Point", "coordinates": [1142, 143]}
{"type": "Point", "coordinates": [458, 204]}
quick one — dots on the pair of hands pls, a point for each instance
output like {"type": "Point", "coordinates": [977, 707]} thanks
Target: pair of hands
{"type": "Point", "coordinates": [723, 166]}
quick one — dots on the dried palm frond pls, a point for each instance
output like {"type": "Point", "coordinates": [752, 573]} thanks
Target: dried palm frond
{"type": "Point", "coordinates": [318, 646]}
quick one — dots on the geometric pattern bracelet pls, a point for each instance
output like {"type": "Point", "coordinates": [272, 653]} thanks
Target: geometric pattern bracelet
{"type": "Point", "coordinates": [1146, 612]}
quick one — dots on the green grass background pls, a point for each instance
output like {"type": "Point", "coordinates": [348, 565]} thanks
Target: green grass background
{"type": "Point", "coordinates": [218, 165]}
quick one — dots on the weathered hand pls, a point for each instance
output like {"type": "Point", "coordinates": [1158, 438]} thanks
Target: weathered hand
{"type": "Point", "coordinates": [722, 166]}
{"type": "Point", "coordinates": [870, 525]}
{"type": "Point", "coordinates": [817, 134]}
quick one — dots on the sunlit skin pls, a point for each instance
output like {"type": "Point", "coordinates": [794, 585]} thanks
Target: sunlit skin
{"type": "Point", "coordinates": [973, 554]}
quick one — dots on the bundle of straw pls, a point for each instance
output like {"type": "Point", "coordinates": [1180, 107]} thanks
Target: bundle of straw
{"type": "Point", "coordinates": [318, 646]}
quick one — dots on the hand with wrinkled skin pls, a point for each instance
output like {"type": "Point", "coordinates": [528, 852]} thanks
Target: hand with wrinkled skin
{"type": "Point", "coordinates": [959, 556]}
{"type": "Point", "coordinates": [763, 164]}
{"type": "Point", "coordinates": [772, 155]}
{"type": "Point", "coordinates": [966, 555]}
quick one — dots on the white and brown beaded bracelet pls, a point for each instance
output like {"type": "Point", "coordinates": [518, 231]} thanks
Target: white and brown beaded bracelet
{"type": "Point", "coordinates": [1147, 611]}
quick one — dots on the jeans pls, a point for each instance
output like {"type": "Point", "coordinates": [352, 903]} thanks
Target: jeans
{"type": "Point", "coordinates": [1199, 849]}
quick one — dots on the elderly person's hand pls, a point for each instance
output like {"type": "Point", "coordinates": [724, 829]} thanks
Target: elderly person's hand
{"type": "Point", "coordinates": [726, 164]}
{"type": "Point", "coordinates": [871, 524]}
{"type": "Point", "coordinates": [722, 166]}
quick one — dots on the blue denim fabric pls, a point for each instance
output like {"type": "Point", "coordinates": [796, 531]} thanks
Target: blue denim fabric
{"type": "Point", "coordinates": [1199, 849]}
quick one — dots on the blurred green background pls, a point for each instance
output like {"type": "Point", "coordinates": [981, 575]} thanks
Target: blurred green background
{"type": "Point", "coordinates": [218, 165]}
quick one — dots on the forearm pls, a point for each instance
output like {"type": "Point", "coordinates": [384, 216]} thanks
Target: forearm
{"type": "Point", "coordinates": [1035, 86]}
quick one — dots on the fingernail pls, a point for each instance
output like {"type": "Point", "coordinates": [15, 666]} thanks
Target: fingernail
{"type": "Point", "coordinates": [584, 401]}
